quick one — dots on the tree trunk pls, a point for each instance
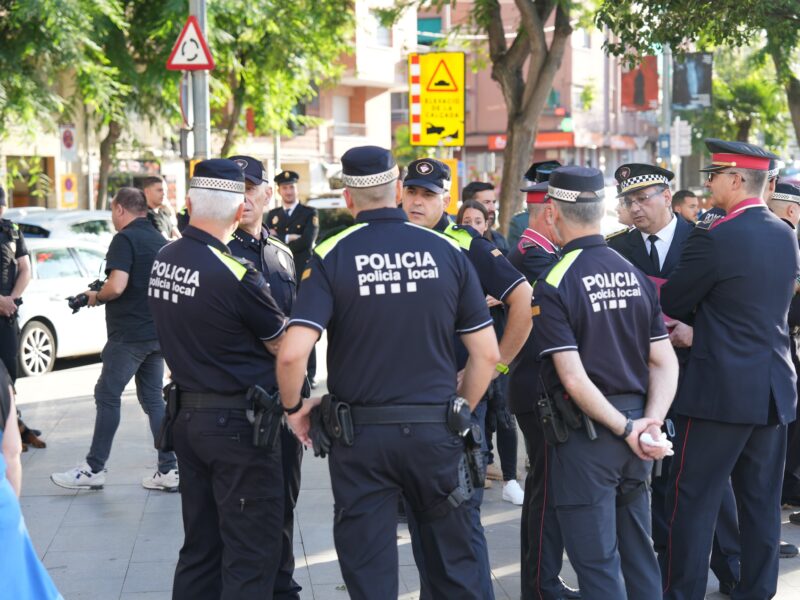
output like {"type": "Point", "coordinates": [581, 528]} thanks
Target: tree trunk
{"type": "Point", "coordinates": [516, 160]}
{"type": "Point", "coordinates": [107, 147]}
{"type": "Point", "coordinates": [789, 81]}
{"type": "Point", "coordinates": [793, 98]}
{"type": "Point", "coordinates": [233, 119]}
{"type": "Point", "coordinates": [743, 130]}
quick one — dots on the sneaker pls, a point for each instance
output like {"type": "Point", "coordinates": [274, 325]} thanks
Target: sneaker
{"type": "Point", "coordinates": [493, 472]}
{"type": "Point", "coordinates": [80, 478]}
{"type": "Point", "coordinates": [167, 482]}
{"type": "Point", "coordinates": [513, 493]}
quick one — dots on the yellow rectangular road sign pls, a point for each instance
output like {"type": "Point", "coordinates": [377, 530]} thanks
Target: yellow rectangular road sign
{"type": "Point", "coordinates": [436, 98]}
{"type": "Point", "coordinates": [452, 207]}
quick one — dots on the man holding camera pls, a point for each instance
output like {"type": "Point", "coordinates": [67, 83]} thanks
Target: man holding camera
{"type": "Point", "coordinates": [132, 349]}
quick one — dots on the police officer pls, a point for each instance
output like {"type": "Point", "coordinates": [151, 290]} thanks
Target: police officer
{"type": "Point", "coordinates": [519, 222]}
{"type": "Point", "coordinates": [274, 260]}
{"type": "Point", "coordinates": [219, 329]}
{"type": "Point", "coordinates": [15, 274]}
{"type": "Point", "coordinates": [425, 195]}
{"type": "Point", "coordinates": [605, 351]}
{"type": "Point", "coordinates": [297, 225]}
{"type": "Point", "coordinates": [391, 296]}
{"type": "Point", "coordinates": [738, 392]}
{"type": "Point", "coordinates": [654, 245]}
{"type": "Point", "coordinates": [541, 546]}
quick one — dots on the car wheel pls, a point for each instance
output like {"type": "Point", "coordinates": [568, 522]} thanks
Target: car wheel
{"type": "Point", "coordinates": [37, 349]}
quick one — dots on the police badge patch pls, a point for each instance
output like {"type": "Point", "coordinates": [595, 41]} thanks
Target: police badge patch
{"type": "Point", "coordinates": [275, 220]}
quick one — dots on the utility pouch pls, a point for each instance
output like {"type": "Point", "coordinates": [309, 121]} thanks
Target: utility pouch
{"type": "Point", "coordinates": [553, 426]}
{"type": "Point", "coordinates": [321, 442]}
{"type": "Point", "coordinates": [458, 416]}
{"type": "Point", "coordinates": [337, 419]}
{"type": "Point", "coordinates": [267, 416]}
{"type": "Point", "coordinates": [164, 438]}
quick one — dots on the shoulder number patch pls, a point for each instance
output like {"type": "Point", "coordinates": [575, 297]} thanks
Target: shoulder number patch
{"type": "Point", "coordinates": [496, 252]}
{"type": "Point", "coordinates": [306, 274]}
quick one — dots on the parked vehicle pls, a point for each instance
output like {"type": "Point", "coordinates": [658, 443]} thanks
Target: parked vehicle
{"type": "Point", "coordinates": [88, 225]}
{"type": "Point", "coordinates": [49, 329]}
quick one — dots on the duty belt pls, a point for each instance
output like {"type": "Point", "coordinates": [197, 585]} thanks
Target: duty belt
{"type": "Point", "coordinates": [398, 414]}
{"type": "Point", "coordinates": [624, 402]}
{"type": "Point", "coordinates": [214, 400]}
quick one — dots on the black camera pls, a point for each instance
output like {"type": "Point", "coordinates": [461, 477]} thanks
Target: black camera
{"type": "Point", "coordinates": [78, 302]}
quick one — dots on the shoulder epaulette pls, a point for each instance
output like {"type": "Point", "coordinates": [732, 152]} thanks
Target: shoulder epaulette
{"type": "Point", "coordinates": [322, 249]}
{"type": "Point", "coordinates": [276, 242]}
{"type": "Point", "coordinates": [558, 271]}
{"type": "Point", "coordinates": [446, 238]}
{"type": "Point", "coordinates": [617, 233]}
{"type": "Point", "coordinates": [237, 266]}
{"type": "Point", "coordinates": [461, 236]}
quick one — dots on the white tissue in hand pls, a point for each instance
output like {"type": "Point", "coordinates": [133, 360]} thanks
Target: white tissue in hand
{"type": "Point", "coordinates": [662, 442]}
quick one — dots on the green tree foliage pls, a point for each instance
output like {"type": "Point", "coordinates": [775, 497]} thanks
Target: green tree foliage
{"type": "Point", "coordinates": [747, 102]}
{"type": "Point", "coordinates": [644, 26]}
{"type": "Point", "coordinates": [270, 56]}
{"type": "Point", "coordinates": [45, 54]}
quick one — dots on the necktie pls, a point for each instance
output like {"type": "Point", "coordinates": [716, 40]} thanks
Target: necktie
{"type": "Point", "coordinates": [652, 238]}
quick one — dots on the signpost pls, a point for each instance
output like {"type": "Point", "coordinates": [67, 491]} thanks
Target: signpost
{"type": "Point", "coordinates": [437, 98]}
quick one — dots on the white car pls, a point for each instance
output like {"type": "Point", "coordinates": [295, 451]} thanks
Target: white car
{"type": "Point", "coordinates": [49, 329]}
{"type": "Point", "coordinates": [88, 225]}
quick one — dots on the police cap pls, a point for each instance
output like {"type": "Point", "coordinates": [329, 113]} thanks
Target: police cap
{"type": "Point", "coordinates": [787, 192]}
{"type": "Point", "coordinates": [538, 172]}
{"type": "Point", "coordinates": [568, 183]}
{"type": "Point", "coordinates": [286, 177]}
{"type": "Point", "coordinates": [430, 174]}
{"type": "Point", "coordinates": [774, 168]}
{"type": "Point", "coordinates": [218, 174]}
{"type": "Point", "coordinates": [252, 168]}
{"type": "Point", "coordinates": [368, 166]}
{"type": "Point", "coordinates": [636, 176]}
{"type": "Point", "coordinates": [737, 155]}
{"type": "Point", "coordinates": [537, 193]}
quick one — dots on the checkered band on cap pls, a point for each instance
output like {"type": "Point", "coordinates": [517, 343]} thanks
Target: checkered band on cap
{"type": "Point", "coordinates": [212, 183]}
{"type": "Point", "coordinates": [571, 195]}
{"type": "Point", "coordinates": [786, 197]}
{"type": "Point", "coordinates": [365, 181]}
{"type": "Point", "coordinates": [773, 173]}
{"type": "Point", "coordinates": [641, 181]}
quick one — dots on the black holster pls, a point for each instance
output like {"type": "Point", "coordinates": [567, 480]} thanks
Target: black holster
{"type": "Point", "coordinates": [460, 422]}
{"type": "Point", "coordinates": [336, 419]}
{"type": "Point", "coordinates": [164, 438]}
{"type": "Point", "coordinates": [267, 416]}
{"type": "Point", "coordinates": [558, 414]}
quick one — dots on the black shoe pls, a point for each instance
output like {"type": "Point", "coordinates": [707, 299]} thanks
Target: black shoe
{"type": "Point", "coordinates": [726, 587]}
{"type": "Point", "coordinates": [787, 550]}
{"type": "Point", "coordinates": [568, 593]}
{"type": "Point", "coordinates": [795, 518]}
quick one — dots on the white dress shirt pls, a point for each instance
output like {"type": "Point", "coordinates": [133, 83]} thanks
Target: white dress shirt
{"type": "Point", "coordinates": [664, 240]}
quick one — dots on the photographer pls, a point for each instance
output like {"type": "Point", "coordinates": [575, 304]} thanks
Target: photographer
{"type": "Point", "coordinates": [132, 348]}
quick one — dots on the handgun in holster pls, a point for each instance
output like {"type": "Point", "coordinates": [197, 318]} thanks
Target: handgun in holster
{"type": "Point", "coordinates": [572, 415]}
{"type": "Point", "coordinates": [459, 421]}
{"type": "Point", "coordinates": [337, 419]}
{"type": "Point", "coordinates": [558, 414]}
{"type": "Point", "coordinates": [164, 438]}
{"type": "Point", "coordinates": [267, 416]}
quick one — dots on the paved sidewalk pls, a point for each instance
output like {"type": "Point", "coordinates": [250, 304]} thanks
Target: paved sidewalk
{"type": "Point", "coordinates": [122, 542]}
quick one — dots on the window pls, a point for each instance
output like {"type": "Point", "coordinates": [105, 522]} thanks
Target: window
{"type": "Point", "coordinates": [55, 263]}
{"type": "Point", "coordinates": [96, 227]}
{"type": "Point", "coordinates": [93, 261]}
{"type": "Point", "coordinates": [427, 25]}
{"type": "Point", "coordinates": [399, 107]}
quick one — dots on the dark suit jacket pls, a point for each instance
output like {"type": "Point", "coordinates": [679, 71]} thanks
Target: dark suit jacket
{"type": "Point", "coordinates": [303, 222]}
{"type": "Point", "coordinates": [632, 247]}
{"type": "Point", "coordinates": [734, 283]}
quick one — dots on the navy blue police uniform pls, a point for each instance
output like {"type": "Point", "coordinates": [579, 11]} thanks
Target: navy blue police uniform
{"type": "Point", "coordinates": [12, 249]}
{"type": "Point", "coordinates": [738, 392]}
{"type": "Point", "coordinates": [541, 546]}
{"type": "Point", "coordinates": [790, 494]}
{"type": "Point", "coordinates": [302, 221]}
{"type": "Point", "coordinates": [519, 222]}
{"type": "Point", "coordinates": [213, 313]}
{"type": "Point", "coordinates": [391, 295]}
{"type": "Point", "coordinates": [498, 279]}
{"type": "Point", "coordinates": [273, 259]}
{"type": "Point", "coordinates": [636, 246]}
{"type": "Point", "coordinates": [596, 303]}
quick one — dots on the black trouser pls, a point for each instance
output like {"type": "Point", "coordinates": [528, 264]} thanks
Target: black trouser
{"type": "Point", "coordinates": [541, 546]}
{"type": "Point", "coordinates": [707, 455]}
{"type": "Point", "coordinates": [9, 345]}
{"type": "Point", "coordinates": [421, 462]}
{"type": "Point", "coordinates": [600, 494]}
{"type": "Point", "coordinates": [286, 588]}
{"type": "Point", "coordinates": [232, 502]}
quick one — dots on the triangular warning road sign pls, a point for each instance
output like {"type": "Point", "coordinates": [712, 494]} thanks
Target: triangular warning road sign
{"type": "Point", "coordinates": [190, 52]}
{"type": "Point", "coordinates": [442, 80]}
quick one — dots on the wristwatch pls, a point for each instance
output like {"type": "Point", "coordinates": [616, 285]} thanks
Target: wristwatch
{"type": "Point", "coordinates": [627, 431]}
{"type": "Point", "coordinates": [295, 408]}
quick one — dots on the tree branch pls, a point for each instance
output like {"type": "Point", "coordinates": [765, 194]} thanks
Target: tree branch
{"type": "Point", "coordinates": [497, 35]}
